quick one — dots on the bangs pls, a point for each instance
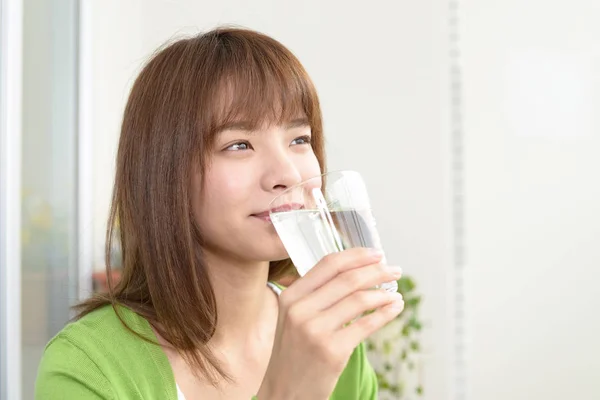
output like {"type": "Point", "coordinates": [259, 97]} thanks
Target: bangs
{"type": "Point", "coordinates": [257, 83]}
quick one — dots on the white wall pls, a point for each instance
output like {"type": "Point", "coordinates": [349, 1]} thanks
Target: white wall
{"type": "Point", "coordinates": [380, 69]}
{"type": "Point", "coordinates": [532, 91]}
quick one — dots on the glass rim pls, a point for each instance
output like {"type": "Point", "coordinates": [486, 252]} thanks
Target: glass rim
{"type": "Point", "coordinates": [304, 182]}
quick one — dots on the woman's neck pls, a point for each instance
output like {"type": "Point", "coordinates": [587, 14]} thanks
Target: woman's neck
{"type": "Point", "coordinates": [246, 307]}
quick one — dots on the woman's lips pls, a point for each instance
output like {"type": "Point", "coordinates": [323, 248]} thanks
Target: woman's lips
{"type": "Point", "coordinates": [265, 215]}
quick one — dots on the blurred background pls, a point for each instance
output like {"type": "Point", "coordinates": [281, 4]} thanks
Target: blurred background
{"type": "Point", "coordinates": [474, 123]}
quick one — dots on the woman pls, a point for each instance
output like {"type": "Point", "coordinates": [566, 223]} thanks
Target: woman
{"type": "Point", "coordinates": [215, 127]}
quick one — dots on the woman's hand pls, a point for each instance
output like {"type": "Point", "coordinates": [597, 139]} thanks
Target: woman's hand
{"type": "Point", "coordinates": [313, 342]}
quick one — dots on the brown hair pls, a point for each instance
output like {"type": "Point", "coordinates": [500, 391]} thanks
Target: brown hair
{"type": "Point", "coordinates": [187, 92]}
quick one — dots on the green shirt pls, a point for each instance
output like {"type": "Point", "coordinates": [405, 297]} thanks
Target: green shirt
{"type": "Point", "coordinates": [97, 358]}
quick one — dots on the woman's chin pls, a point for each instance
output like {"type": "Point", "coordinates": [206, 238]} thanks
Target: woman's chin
{"type": "Point", "coordinates": [262, 246]}
{"type": "Point", "coordinates": [276, 251]}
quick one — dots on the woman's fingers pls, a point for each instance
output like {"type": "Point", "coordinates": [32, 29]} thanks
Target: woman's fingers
{"type": "Point", "coordinates": [365, 326]}
{"type": "Point", "coordinates": [354, 306]}
{"type": "Point", "coordinates": [348, 283]}
{"type": "Point", "coordinates": [328, 268]}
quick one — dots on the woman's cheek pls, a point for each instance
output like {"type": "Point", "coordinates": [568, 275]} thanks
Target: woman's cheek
{"type": "Point", "coordinates": [309, 166]}
{"type": "Point", "coordinates": [232, 178]}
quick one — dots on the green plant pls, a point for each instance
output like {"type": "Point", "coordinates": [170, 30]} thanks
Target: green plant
{"type": "Point", "coordinates": [394, 350]}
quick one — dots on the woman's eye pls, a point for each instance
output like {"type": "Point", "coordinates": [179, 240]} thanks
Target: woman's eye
{"type": "Point", "coordinates": [301, 140]}
{"type": "Point", "coordinates": [239, 146]}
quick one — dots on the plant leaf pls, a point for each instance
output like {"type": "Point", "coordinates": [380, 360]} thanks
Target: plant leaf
{"type": "Point", "coordinates": [405, 285]}
{"type": "Point", "coordinates": [412, 302]}
{"type": "Point", "coordinates": [387, 347]}
{"type": "Point", "coordinates": [406, 330]}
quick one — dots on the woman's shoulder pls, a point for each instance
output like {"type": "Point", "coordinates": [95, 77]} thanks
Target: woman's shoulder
{"type": "Point", "coordinates": [99, 357]}
{"type": "Point", "coordinates": [102, 330]}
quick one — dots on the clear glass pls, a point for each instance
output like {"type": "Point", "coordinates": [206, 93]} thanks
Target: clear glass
{"type": "Point", "coordinates": [314, 220]}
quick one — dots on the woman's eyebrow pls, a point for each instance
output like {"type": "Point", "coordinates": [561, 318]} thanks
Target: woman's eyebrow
{"type": "Point", "coordinates": [247, 127]}
{"type": "Point", "coordinates": [236, 126]}
{"type": "Point", "coordinates": [296, 123]}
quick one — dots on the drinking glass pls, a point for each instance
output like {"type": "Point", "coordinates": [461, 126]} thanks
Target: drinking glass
{"type": "Point", "coordinates": [323, 215]}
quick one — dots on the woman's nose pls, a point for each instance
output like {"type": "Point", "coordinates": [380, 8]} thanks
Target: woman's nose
{"type": "Point", "coordinates": [282, 174]}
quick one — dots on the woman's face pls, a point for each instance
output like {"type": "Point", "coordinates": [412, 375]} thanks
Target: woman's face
{"type": "Point", "coordinates": [246, 170]}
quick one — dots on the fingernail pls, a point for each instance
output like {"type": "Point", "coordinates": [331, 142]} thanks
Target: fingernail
{"type": "Point", "coordinates": [375, 253]}
{"type": "Point", "coordinates": [397, 306]}
{"type": "Point", "coordinates": [395, 297]}
{"type": "Point", "coordinates": [396, 272]}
